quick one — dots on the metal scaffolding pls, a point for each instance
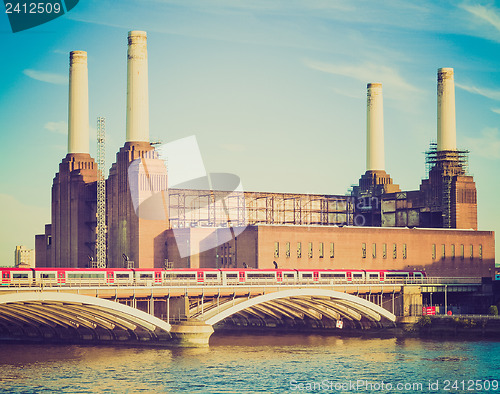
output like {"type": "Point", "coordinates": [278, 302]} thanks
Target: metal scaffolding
{"type": "Point", "coordinates": [101, 194]}
{"type": "Point", "coordinates": [214, 208]}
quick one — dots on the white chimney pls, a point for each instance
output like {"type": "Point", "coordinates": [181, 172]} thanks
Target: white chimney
{"type": "Point", "coordinates": [374, 128]}
{"type": "Point", "coordinates": [446, 124]}
{"type": "Point", "coordinates": [78, 108]}
{"type": "Point", "coordinates": [137, 87]}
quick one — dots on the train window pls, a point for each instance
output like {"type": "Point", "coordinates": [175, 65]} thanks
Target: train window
{"type": "Point", "coordinates": [357, 275]}
{"type": "Point", "coordinates": [307, 275]}
{"type": "Point", "coordinates": [333, 275]}
{"type": "Point", "coordinates": [179, 276]}
{"type": "Point", "coordinates": [47, 276]}
{"type": "Point", "coordinates": [231, 276]}
{"type": "Point", "coordinates": [363, 250]}
{"type": "Point", "coordinates": [85, 276]}
{"type": "Point", "coordinates": [20, 276]}
{"type": "Point", "coordinates": [373, 276]}
{"type": "Point", "coordinates": [397, 275]}
{"type": "Point", "coordinates": [266, 276]}
{"type": "Point", "coordinates": [146, 276]}
{"type": "Point", "coordinates": [287, 250]}
{"type": "Point", "coordinates": [289, 275]}
{"type": "Point", "coordinates": [122, 276]}
{"type": "Point", "coordinates": [276, 249]}
{"type": "Point", "coordinates": [321, 250]}
{"type": "Point", "coordinates": [211, 276]}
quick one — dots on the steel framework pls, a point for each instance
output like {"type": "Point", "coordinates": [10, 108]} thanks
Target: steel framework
{"type": "Point", "coordinates": [101, 194]}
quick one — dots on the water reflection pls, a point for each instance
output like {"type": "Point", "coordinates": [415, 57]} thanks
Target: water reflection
{"type": "Point", "coordinates": [242, 364]}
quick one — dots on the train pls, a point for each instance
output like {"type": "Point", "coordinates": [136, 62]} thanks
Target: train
{"type": "Point", "coordinates": [193, 276]}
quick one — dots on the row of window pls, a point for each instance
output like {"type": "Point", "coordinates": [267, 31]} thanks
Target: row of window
{"type": "Point", "coordinates": [461, 251]}
{"type": "Point", "coordinates": [310, 250]}
{"type": "Point", "coordinates": [385, 252]}
{"type": "Point", "coordinates": [404, 251]}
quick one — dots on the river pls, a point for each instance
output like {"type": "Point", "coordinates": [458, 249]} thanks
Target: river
{"type": "Point", "coordinates": [257, 364]}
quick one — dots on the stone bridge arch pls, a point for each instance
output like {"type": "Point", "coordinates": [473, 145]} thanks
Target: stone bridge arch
{"type": "Point", "coordinates": [299, 303]}
{"type": "Point", "coordinates": [66, 316]}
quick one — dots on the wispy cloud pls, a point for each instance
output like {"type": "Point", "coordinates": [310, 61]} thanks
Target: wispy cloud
{"type": "Point", "coordinates": [60, 127]}
{"type": "Point", "coordinates": [486, 14]}
{"type": "Point", "coordinates": [489, 93]}
{"type": "Point", "coordinates": [487, 144]}
{"type": "Point", "coordinates": [485, 20]}
{"type": "Point", "coordinates": [366, 73]}
{"type": "Point", "coordinates": [496, 110]}
{"type": "Point", "coordinates": [56, 79]}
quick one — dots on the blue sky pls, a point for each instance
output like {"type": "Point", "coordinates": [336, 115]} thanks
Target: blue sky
{"type": "Point", "coordinates": [274, 91]}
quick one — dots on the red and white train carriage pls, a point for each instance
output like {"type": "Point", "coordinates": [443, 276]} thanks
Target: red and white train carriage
{"type": "Point", "coordinates": [207, 276]}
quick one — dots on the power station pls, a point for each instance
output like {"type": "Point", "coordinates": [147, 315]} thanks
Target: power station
{"type": "Point", "coordinates": [149, 224]}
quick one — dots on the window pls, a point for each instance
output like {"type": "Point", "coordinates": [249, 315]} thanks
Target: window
{"type": "Point", "coordinates": [480, 252]}
{"type": "Point", "coordinates": [443, 251]}
{"type": "Point", "coordinates": [462, 251]}
{"type": "Point", "coordinates": [404, 251]}
{"type": "Point", "coordinates": [394, 251]}
{"type": "Point", "coordinates": [321, 250]}
{"type": "Point", "coordinates": [433, 251]}
{"type": "Point", "coordinates": [332, 250]}
{"type": "Point", "coordinates": [471, 252]}
{"type": "Point", "coordinates": [374, 250]}
{"type": "Point", "coordinates": [276, 249]}
{"type": "Point", "coordinates": [384, 251]}
{"type": "Point", "coordinates": [287, 252]}
{"type": "Point", "coordinates": [299, 250]}
{"type": "Point", "coordinates": [363, 250]}
{"type": "Point", "coordinates": [310, 252]}
{"type": "Point", "coordinates": [452, 251]}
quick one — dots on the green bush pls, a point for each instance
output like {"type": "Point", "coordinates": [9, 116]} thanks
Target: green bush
{"type": "Point", "coordinates": [493, 310]}
{"type": "Point", "coordinates": [424, 321]}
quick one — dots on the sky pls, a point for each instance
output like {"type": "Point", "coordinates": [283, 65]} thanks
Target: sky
{"type": "Point", "coordinates": [273, 90]}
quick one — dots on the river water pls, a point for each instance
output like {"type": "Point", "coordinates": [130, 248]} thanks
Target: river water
{"type": "Point", "coordinates": [257, 364]}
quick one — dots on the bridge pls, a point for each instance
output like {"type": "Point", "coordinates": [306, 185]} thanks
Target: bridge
{"type": "Point", "coordinates": [185, 315]}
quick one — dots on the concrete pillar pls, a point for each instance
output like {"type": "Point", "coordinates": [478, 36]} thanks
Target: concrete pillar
{"type": "Point", "coordinates": [191, 333]}
{"type": "Point", "coordinates": [78, 108]}
{"type": "Point", "coordinates": [178, 308]}
{"type": "Point", "coordinates": [137, 88]}
{"type": "Point", "coordinates": [446, 123]}
{"type": "Point", "coordinates": [374, 128]}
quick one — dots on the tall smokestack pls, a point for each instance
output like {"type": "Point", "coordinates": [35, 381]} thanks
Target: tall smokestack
{"type": "Point", "coordinates": [137, 87]}
{"type": "Point", "coordinates": [446, 124]}
{"type": "Point", "coordinates": [78, 109]}
{"type": "Point", "coordinates": [374, 128]}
